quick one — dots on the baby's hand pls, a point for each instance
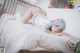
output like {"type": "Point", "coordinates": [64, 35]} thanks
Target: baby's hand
{"type": "Point", "coordinates": [59, 34]}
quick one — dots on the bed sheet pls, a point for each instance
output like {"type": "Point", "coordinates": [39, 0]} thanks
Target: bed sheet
{"type": "Point", "coordinates": [16, 36]}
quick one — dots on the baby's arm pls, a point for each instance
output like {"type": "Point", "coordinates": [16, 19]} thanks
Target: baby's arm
{"type": "Point", "coordinates": [48, 31]}
{"type": "Point", "coordinates": [43, 28]}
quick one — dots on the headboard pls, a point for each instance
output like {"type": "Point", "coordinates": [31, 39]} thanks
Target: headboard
{"type": "Point", "coordinates": [10, 5]}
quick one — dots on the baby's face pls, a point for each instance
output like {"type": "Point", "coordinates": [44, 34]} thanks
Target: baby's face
{"type": "Point", "coordinates": [56, 29]}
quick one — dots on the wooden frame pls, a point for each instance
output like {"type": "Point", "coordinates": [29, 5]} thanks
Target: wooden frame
{"type": "Point", "coordinates": [26, 51]}
{"type": "Point", "coordinates": [2, 9]}
{"type": "Point", "coordinates": [10, 10]}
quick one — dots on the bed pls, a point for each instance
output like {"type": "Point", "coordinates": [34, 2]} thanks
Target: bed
{"type": "Point", "coordinates": [16, 39]}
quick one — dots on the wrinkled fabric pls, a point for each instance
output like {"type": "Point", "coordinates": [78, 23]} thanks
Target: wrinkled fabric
{"type": "Point", "coordinates": [16, 36]}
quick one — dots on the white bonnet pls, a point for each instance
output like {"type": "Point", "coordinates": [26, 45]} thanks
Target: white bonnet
{"type": "Point", "coordinates": [60, 22]}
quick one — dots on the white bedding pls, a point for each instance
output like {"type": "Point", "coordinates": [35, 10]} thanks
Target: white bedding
{"type": "Point", "coordinates": [16, 36]}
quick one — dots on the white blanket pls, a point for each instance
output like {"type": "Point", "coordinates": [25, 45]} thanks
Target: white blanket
{"type": "Point", "coordinates": [16, 36]}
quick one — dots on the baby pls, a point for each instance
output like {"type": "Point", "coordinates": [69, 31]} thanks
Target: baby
{"type": "Point", "coordinates": [39, 19]}
{"type": "Point", "coordinates": [58, 26]}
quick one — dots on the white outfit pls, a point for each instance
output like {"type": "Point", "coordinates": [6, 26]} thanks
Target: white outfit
{"type": "Point", "coordinates": [41, 20]}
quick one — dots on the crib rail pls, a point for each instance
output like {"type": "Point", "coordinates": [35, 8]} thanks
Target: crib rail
{"type": "Point", "coordinates": [11, 5]}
